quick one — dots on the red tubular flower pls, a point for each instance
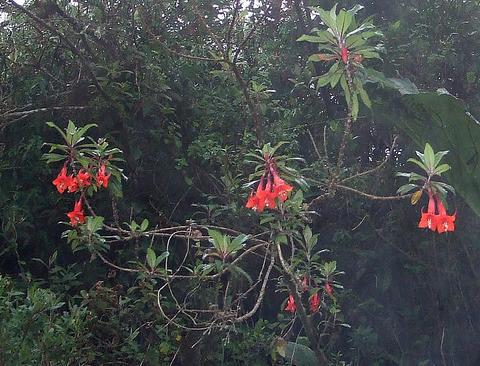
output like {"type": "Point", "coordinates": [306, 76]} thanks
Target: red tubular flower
{"type": "Point", "coordinates": [77, 216]}
{"type": "Point", "coordinates": [270, 187]}
{"type": "Point", "coordinates": [72, 184]}
{"type": "Point", "coordinates": [328, 288]}
{"type": "Point", "coordinates": [281, 188]}
{"type": "Point", "coordinates": [83, 178]}
{"type": "Point", "coordinates": [444, 222]}
{"type": "Point", "coordinates": [314, 302]}
{"type": "Point", "coordinates": [62, 181]}
{"type": "Point", "coordinates": [304, 283]}
{"type": "Point", "coordinates": [252, 202]}
{"type": "Point", "coordinates": [270, 195]}
{"type": "Point", "coordinates": [344, 53]}
{"type": "Point", "coordinates": [102, 177]}
{"type": "Point", "coordinates": [291, 307]}
{"type": "Point", "coordinates": [429, 218]}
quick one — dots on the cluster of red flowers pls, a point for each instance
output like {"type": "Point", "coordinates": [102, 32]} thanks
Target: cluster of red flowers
{"type": "Point", "coordinates": [271, 186]}
{"type": "Point", "coordinates": [314, 300]}
{"type": "Point", "coordinates": [439, 222]}
{"type": "Point", "coordinates": [64, 182]}
{"type": "Point", "coordinates": [344, 51]}
{"type": "Point", "coordinates": [345, 54]}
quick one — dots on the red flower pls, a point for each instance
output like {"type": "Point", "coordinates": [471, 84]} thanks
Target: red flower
{"type": "Point", "coordinates": [344, 53]}
{"type": "Point", "coordinates": [62, 181]}
{"type": "Point", "coordinates": [305, 283]}
{"type": "Point", "coordinates": [270, 187]}
{"type": "Point", "coordinates": [429, 218]}
{"type": "Point", "coordinates": [102, 177]}
{"type": "Point", "coordinates": [77, 216]}
{"type": "Point", "coordinates": [269, 195]}
{"type": "Point", "coordinates": [291, 307]}
{"type": "Point", "coordinates": [314, 302]}
{"type": "Point", "coordinates": [281, 188]}
{"type": "Point", "coordinates": [328, 288]}
{"type": "Point", "coordinates": [252, 202]}
{"type": "Point", "coordinates": [72, 184]}
{"type": "Point", "coordinates": [444, 222]}
{"type": "Point", "coordinates": [83, 178]}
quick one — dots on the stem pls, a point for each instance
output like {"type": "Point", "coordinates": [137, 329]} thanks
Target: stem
{"type": "Point", "coordinates": [310, 330]}
{"type": "Point", "coordinates": [257, 124]}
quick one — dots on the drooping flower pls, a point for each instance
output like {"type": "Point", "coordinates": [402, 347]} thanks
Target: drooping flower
{"type": "Point", "coordinates": [304, 286]}
{"type": "Point", "coordinates": [77, 216]}
{"type": "Point", "coordinates": [291, 307]}
{"type": "Point", "coordinates": [83, 178]}
{"type": "Point", "coordinates": [444, 222]}
{"type": "Point", "coordinates": [281, 188]}
{"type": "Point", "coordinates": [429, 218]}
{"type": "Point", "coordinates": [257, 202]}
{"type": "Point", "coordinates": [314, 302]}
{"type": "Point", "coordinates": [62, 181]}
{"type": "Point", "coordinates": [102, 177]}
{"type": "Point", "coordinates": [344, 52]}
{"type": "Point", "coordinates": [72, 184]}
{"type": "Point", "coordinates": [328, 288]}
{"type": "Point", "coordinates": [252, 202]}
{"type": "Point", "coordinates": [269, 195]}
{"type": "Point", "coordinates": [270, 187]}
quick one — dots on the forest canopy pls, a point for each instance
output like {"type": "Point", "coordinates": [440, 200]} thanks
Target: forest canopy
{"type": "Point", "coordinates": [239, 182]}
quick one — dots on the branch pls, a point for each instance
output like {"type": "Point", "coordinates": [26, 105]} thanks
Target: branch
{"type": "Point", "coordinates": [44, 109]}
{"type": "Point", "coordinates": [192, 57]}
{"type": "Point", "coordinates": [232, 25]}
{"type": "Point", "coordinates": [260, 296]}
{"type": "Point", "coordinates": [380, 166]}
{"type": "Point", "coordinates": [371, 196]}
{"type": "Point", "coordinates": [250, 33]}
{"type": "Point", "coordinates": [257, 125]}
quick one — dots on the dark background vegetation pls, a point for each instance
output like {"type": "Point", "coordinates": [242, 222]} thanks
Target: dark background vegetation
{"type": "Point", "coordinates": [411, 297]}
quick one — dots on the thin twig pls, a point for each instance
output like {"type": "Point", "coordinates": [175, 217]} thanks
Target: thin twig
{"type": "Point", "coordinates": [372, 196]}
{"type": "Point", "coordinates": [373, 170]}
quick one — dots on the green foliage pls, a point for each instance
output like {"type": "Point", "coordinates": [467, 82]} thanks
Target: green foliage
{"type": "Point", "coordinates": [184, 128]}
{"type": "Point", "coordinates": [442, 120]}
{"type": "Point", "coordinates": [348, 44]}
{"type": "Point", "coordinates": [430, 164]}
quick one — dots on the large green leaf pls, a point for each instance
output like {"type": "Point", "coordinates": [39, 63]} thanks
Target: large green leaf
{"type": "Point", "coordinates": [295, 353]}
{"type": "Point", "coordinates": [442, 120]}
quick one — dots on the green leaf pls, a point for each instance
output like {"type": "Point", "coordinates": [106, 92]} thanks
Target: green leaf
{"type": "Point", "coordinates": [355, 107]}
{"type": "Point", "coordinates": [406, 188]}
{"type": "Point", "coordinates": [151, 258]}
{"type": "Point", "coordinates": [344, 19]}
{"type": "Point", "coordinates": [419, 163]}
{"type": "Point", "coordinates": [238, 243]}
{"type": "Point", "coordinates": [307, 234]}
{"type": "Point", "coordinates": [161, 258]}
{"type": "Point", "coordinates": [439, 170]}
{"type": "Point", "coordinates": [429, 157]}
{"type": "Point", "coordinates": [144, 225]}
{"type": "Point", "coordinates": [53, 125]}
{"type": "Point", "coordinates": [300, 355]}
{"type": "Point", "coordinates": [313, 39]}
{"type": "Point", "coordinates": [217, 238]}
{"type": "Point", "coordinates": [439, 156]}
{"type": "Point", "coordinates": [364, 96]}
{"type": "Point", "coordinates": [325, 17]}
{"type": "Point", "coordinates": [94, 223]}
